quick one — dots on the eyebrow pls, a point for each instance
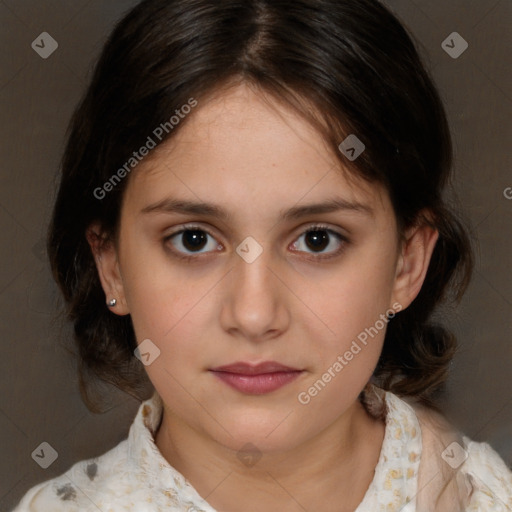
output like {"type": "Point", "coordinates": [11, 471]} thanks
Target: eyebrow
{"type": "Point", "coordinates": [170, 205]}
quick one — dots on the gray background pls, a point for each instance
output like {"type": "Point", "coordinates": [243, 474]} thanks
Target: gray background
{"type": "Point", "coordinates": [39, 395]}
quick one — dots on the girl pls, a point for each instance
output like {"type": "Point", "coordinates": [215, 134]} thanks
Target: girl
{"type": "Point", "coordinates": [251, 217]}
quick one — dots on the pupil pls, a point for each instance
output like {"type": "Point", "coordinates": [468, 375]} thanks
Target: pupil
{"type": "Point", "coordinates": [314, 239]}
{"type": "Point", "coordinates": [319, 239]}
{"type": "Point", "coordinates": [194, 239]}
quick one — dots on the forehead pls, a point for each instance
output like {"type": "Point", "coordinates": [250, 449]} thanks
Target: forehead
{"type": "Point", "coordinates": [242, 144]}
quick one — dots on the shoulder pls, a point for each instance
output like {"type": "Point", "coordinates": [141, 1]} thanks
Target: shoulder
{"type": "Point", "coordinates": [457, 473]}
{"type": "Point", "coordinates": [132, 476]}
{"type": "Point", "coordinates": [489, 477]}
{"type": "Point", "coordinates": [88, 485]}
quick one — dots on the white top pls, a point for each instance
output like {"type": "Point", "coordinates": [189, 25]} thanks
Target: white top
{"type": "Point", "coordinates": [419, 470]}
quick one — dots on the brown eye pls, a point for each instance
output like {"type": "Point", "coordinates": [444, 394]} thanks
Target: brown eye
{"type": "Point", "coordinates": [190, 241]}
{"type": "Point", "coordinates": [318, 239]}
{"type": "Point", "coordinates": [193, 240]}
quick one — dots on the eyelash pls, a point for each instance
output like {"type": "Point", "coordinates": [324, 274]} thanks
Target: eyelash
{"type": "Point", "coordinates": [317, 227]}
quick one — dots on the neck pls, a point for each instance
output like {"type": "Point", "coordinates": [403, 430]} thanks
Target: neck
{"type": "Point", "coordinates": [337, 465]}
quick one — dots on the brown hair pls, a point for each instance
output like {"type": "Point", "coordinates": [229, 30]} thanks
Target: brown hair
{"type": "Point", "coordinates": [348, 66]}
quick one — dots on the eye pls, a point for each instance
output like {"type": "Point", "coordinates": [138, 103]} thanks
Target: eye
{"type": "Point", "coordinates": [318, 239]}
{"type": "Point", "coordinates": [192, 240]}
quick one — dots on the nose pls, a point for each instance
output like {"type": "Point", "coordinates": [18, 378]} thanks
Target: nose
{"type": "Point", "coordinates": [255, 305]}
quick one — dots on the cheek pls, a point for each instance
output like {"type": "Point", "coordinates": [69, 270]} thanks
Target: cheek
{"type": "Point", "coordinates": [352, 305]}
{"type": "Point", "coordinates": [172, 323]}
{"type": "Point", "coordinates": [159, 292]}
{"type": "Point", "coordinates": [355, 295]}
{"type": "Point", "coordinates": [169, 312]}
{"type": "Point", "coordinates": [174, 310]}
{"type": "Point", "coordinates": [354, 309]}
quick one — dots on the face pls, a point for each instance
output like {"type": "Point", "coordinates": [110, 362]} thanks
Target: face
{"type": "Point", "coordinates": [257, 277]}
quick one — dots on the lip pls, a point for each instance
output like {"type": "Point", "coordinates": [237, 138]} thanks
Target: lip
{"type": "Point", "coordinates": [256, 379]}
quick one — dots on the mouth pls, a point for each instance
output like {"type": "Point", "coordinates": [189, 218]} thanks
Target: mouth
{"type": "Point", "coordinates": [256, 379]}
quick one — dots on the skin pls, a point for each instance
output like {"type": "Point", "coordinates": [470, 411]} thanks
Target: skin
{"type": "Point", "coordinates": [255, 158]}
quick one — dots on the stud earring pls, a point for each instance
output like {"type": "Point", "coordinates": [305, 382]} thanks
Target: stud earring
{"type": "Point", "coordinates": [111, 303]}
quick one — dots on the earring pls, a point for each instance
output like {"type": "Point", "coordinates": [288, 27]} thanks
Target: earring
{"type": "Point", "coordinates": [111, 303]}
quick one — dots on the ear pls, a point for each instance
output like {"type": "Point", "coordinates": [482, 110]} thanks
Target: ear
{"type": "Point", "coordinates": [107, 264]}
{"type": "Point", "coordinates": [413, 261]}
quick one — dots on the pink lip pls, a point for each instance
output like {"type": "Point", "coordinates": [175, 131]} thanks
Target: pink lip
{"type": "Point", "coordinates": [256, 379]}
